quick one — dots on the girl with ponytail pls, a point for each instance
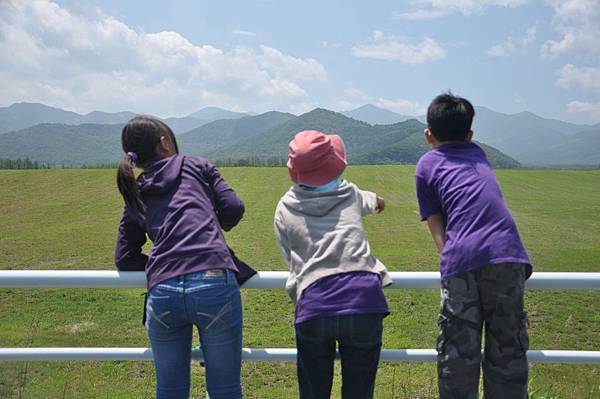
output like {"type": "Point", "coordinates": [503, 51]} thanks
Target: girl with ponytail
{"type": "Point", "coordinates": [183, 205]}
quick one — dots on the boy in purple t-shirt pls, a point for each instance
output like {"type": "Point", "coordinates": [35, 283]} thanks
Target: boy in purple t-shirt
{"type": "Point", "coordinates": [483, 262]}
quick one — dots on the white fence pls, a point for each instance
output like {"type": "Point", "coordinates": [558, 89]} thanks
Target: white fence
{"type": "Point", "coordinates": [402, 280]}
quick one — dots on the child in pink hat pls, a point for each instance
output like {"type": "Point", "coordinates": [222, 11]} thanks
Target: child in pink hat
{"type": "Point", "coordinates": [335, 282]}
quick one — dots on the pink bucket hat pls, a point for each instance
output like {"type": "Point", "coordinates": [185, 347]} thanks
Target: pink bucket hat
{"type": "Point", "coordinates": [316, 158]}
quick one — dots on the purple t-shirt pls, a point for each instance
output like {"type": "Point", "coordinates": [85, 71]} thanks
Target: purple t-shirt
{"type": "Point", "coordinates": [457, 181]}
{"type": "Point", "coordinates": [342, 294]}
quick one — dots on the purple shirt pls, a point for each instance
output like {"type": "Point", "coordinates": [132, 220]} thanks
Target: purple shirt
{"type": "Point", "coordinates": [188, 203]}
{"type": "Point", "coordinates": [342, 294]}
{"type": "Point", "coordinates": [457, 181]}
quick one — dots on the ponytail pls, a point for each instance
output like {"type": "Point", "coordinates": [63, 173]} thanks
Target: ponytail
{"type": "Point", "coordinates": [129, 189]}
{"type": "Point", "coordinates": [140, 137]}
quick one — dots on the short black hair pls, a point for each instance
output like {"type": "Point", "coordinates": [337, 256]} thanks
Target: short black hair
{"type": "Point", "coordinates": [449, 117]}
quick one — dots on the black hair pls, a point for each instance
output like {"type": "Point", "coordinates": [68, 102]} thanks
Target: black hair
{"type": "Point", "coordinates": [449, 117]}
{"type": "Point", "coordinates": [141, 135]}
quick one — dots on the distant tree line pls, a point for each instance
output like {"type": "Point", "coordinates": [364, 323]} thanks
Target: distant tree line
{"type": "Point", "coordinates": [254, 161]}
{"type": "Point", "coordinates": [225, 162]}
{"type": "Point", "coordinates": [22, 164]}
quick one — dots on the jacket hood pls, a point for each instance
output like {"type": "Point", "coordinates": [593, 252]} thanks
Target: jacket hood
{"type": "Point", "coordinates": [316, 203]}
{"type": "Point", "coordinates": [161, 175]}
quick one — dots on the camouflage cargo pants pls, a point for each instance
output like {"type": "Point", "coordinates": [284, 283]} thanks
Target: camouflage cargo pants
{"type": "Point", "coordinates": [490, 296]}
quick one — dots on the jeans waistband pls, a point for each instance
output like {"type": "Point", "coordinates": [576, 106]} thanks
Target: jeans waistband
{"type": "Point", "coordinates": [199, 280]}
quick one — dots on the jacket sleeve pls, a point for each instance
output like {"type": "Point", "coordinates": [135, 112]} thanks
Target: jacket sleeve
{"type": "Point", "coordinates": [228, 206]}
{"type": "Point", "coordinates": [282, 239]}
{"type": "Point", "coordinates": [367, 200]}
{"type": "Point", "coordinates": [284, 246]}
{"type": "Point", "coordinates": [131, 238]}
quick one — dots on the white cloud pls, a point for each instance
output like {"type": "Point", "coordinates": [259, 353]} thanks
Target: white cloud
{"type": "Point", "coordinates": [296, 68]}
{"type": "Point", "coordinates": [587, 78]}
{"type": "Point", "coordinates": [431, 9]}
{"type": "Point", "coordinates": [514, 45]}
{"type": "Point", "coordinates": [94, 61]}
{"type": "Point", "coordinates": [356, 98]}
{"type": "Point", "coordinates": [402, 106]}
{"type": "Point", "coordinates": [353, 92]}
{"type": "Point", "coordinates": [421, 14]}
{"type": "Point", "coordinates": [240, 32]}
{"type": "Point", "coordinates": [390, 48]}
{"type": "Point", "coordinates": [578, 24]}
{"type": "Point", "coordinates": [591, 109]}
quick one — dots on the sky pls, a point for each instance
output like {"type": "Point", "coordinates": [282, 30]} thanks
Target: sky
{"type": "Point", "coordinates": [173, 58]}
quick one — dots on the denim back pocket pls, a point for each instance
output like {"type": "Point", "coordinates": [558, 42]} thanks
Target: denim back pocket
{"type": "Point", "coordinates": [159, 309]}
{"type": "Point", "coordinates": [217, 309]}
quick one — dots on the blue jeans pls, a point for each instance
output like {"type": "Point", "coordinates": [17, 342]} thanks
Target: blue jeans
{"type": "Point", "coordinates": [359, 338]}
{"type": "Point", "coordinates": [209, 300]}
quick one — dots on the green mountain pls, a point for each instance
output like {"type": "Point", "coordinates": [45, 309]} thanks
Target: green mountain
{"type": "Point", "coordinates": [59, 144]}
{"type": "Point", "coordinates": [365, 144]}
{"type": "Point", "coordinates": [21, 115]}
{"type": "Point", "coordinates": [524, 136]}
{"type": "Point", "coordinates": [582, 149]}
{"type": "Point", "coordinates": [209, 137]}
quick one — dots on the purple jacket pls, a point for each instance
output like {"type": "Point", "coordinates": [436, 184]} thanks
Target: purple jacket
{"type": "Point", "coordinates": [188, 203]}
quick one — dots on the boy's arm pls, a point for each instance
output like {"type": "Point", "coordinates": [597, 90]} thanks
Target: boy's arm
{"type": "Point", "coordinates": [430, 209]}
{"type": "Point", "coordinates": [437, 228]}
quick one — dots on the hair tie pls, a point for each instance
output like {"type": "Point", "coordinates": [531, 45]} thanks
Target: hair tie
{"type": "Point", "coordinates": [133, 156]}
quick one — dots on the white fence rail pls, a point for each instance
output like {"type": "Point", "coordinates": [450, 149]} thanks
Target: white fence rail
{"type": "Point", "coordinates": [402, 280]}
{"type": "Point", "coordinates": [270, 355]}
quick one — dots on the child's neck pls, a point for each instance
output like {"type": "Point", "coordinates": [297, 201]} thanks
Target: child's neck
{"type": "Point", "coordinates": [438, 144]}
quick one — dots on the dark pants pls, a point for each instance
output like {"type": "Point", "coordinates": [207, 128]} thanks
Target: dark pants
{"type": "Point", "coordinates": [359, 338]}
{"type": "Point", "coordinates": [490, 296]}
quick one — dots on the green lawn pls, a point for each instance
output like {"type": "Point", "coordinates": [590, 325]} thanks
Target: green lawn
{"type": "Point", "coordinates": [66, 219]}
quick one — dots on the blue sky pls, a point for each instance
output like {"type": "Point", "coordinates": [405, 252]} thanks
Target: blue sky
{"type": "Point", "coordinates": [509, 55]}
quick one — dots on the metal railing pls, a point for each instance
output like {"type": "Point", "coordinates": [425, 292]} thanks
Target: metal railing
{"type": "Point", "coordinates": [402, 280]}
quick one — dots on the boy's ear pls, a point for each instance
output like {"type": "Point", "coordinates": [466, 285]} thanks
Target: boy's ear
{"type": "Point", "coordinates": [469, 136]}
{"type": "Point", "coordinates": [428, 136]}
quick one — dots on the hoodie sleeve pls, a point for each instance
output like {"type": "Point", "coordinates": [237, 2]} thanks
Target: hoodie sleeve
{"type": "Point", "coordinates": [279, 227]}
{"type": "Point", "coordinates": [367, 200]}
{"type": "Point", "coordinates": [284, 246]}
{"type": "Point", "coordinates": [131, 238]}
{"type": "Point", "coordinates": [228, 206]}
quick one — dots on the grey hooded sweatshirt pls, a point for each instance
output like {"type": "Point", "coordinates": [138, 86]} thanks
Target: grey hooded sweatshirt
{"type": "Point", "coordinates": [321, 234]}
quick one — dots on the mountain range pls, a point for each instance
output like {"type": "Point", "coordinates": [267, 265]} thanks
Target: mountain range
{"type": "Point", "coordinates": [529, 138]}
{"type": "Point", "coordinates": [23, 115]}
{"type": "Point", "coordinates": [265, 135]}
{"type": "Point", "coordinates": [372, 135]}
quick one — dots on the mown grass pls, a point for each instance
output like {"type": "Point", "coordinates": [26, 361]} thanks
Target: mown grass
{"type": "Point", "coordinates": [66, 219]}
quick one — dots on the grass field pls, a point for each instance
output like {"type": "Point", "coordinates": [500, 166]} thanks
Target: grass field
{"type": "Point", "coordinates": [66, 219]}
